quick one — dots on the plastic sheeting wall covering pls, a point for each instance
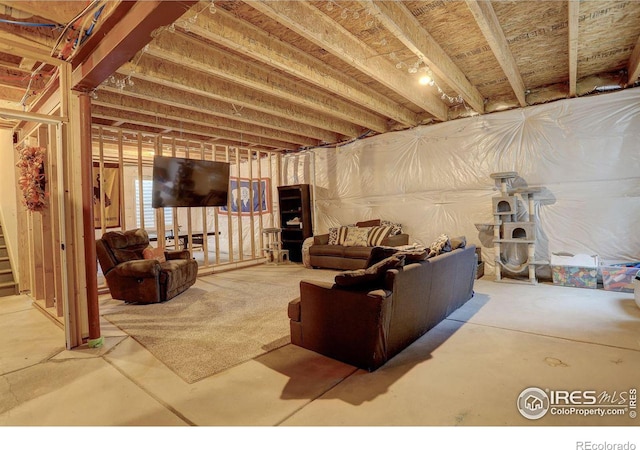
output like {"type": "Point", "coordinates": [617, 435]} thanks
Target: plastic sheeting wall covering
{"type": "Point", "coordinates": [435, 179]}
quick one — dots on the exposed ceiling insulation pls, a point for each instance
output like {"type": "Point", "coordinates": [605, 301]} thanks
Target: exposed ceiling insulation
{"type": "Point", "coordinates": [290, 75]}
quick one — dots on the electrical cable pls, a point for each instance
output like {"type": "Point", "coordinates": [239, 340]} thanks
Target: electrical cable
{"type": "Point", "coordinates": [337, 144]}
{"type": "Point", "coordinates": [81, 14]}
{"type": "Point", "coordinates": [31, 24]}
{"type": "Point", "coordinates": [83, 34]}
{"type": "Point", "coordinates": [96, 16]}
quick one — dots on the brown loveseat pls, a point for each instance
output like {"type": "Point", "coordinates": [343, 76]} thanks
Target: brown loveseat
{"type": "Point", "coordinates": [367, 325]}
{"type": "Point", "coordinates": [132, 278]}
{"type": "Point", "coordinates": [326, 255]}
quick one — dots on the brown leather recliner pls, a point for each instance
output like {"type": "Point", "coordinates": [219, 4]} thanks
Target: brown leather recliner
{"type": "Point", "coordinates": [132, 278]}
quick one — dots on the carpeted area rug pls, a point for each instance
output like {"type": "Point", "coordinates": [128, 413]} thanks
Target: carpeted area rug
{"type": "Point", "coordinates": [201, 332]}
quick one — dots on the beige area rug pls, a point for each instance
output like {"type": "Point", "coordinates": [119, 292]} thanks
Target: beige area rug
{"type": "Point", "coordinates": [218, 323]}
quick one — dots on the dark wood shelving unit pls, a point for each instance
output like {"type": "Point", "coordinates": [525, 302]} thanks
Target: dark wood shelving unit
{"type": "Point", "coordinates": [295, 201]}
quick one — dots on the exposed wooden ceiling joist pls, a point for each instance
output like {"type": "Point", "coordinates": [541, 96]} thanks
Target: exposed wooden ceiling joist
{"type": "Point", "coordinates": [114, 99]}
{"type": "Point", "coordinates": [10, 43]}
{"type": "Point", "coordinates": [395, 17]}
{"type": "Point", "coordinates": [488, 22]}
{"type": "Point", "coordinates": [178, 77]}
{"type": "Point", "coordinates": [59, 12]}
{"type": "Point", "coordinates": [203, 131]}
{"type": "Point", "coordinates": [191, 100]}
{"type": "Point", "coordinates": [197, 55]}
{"type": "Point", "coordinates": [311, 23]}
{"type": "Point", "coordinates": [248, 40]}
{"type": "Point", "coordinates": [573, 24]}
{"type": "Point", "coordinates": [633, 68]}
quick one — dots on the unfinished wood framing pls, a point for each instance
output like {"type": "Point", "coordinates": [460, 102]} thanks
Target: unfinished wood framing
{"type": "Point", "coordinates": [230, 242]}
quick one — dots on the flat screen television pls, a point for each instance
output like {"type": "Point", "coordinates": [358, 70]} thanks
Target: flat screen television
{"type": "Point", "coordinates": [189, 182]}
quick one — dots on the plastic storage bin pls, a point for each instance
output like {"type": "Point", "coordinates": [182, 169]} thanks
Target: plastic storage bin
{"type": "Point", "coordinates": [619, 277]}
{"type": "Point", "coordinates": [574, 270]}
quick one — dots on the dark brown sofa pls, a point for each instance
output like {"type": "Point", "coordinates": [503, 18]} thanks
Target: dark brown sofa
{"type": "Point", "coordinates": [134, 279]}
{"type": "Point", "coordinates": [341, 257]}
{"type": "Point", "coordinates": [366, 326]}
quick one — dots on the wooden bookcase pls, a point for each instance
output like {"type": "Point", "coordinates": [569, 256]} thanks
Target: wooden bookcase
{"type": "Point", "coordinates": [295, 202]}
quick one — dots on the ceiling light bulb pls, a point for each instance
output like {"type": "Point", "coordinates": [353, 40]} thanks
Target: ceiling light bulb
{"type": "Point", "coordinates": [425, 79]}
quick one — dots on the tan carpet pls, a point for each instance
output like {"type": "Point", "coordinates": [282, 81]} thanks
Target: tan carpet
{"type": "Point", "coordinates": [202, 332]}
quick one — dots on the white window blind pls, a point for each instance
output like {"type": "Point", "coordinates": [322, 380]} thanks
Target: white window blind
{"type": "Point", "coordinates": [149, 212]}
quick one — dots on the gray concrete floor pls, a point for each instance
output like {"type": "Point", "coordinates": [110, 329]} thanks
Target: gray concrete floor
{"type": "Point", "coordinates": [468, 371]}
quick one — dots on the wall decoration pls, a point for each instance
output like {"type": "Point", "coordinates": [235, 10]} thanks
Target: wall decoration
{"type": "Point", "coordinates": [32, 180]}
{"type": "Point", "coordinates": [260, 196]}
{"type": "Point", "coordinates": [109, 188]}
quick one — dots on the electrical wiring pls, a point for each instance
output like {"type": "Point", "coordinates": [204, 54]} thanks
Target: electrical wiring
{"type": "Point", "coordinates": [31, 24]}
{"type": "Point", "coordinates": [339, 144]}
{"type": "Point", "coordinates": [83, 34]}
{"type": "Point", "coordinates": [61, 55]}
{"type": "Point", "coordinates": [72, 22]}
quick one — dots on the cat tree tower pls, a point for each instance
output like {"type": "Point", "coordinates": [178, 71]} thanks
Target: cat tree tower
{"type": "Point", "coordinates": [514, 231]}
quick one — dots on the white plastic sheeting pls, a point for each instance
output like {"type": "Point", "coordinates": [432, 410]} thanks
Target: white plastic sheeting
{"type": "Point", "coordinates": [584, 152]}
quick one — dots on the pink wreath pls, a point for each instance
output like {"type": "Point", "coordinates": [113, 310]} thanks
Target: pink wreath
{"type": "Point", "coordinates": [32, 180]}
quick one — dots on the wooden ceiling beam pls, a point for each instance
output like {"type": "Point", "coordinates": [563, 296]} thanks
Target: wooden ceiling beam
{"type": "Point", "coordinates": [396, 18]}
{"type": "Point", "coordinates": [137, 118]}
{"type": "Point", "coordinates": [176, 76]}
{"type": "Point", "coordinates": [197, 55]}
{"type": "Point", "coordinates": [573, 25]}
{"type": "Point", "coordinates": [11, 93]}
{"type": "Point", "coordinates": [197, 117]}
{"type": "Point", "coordinates": [19, 46]}
{"type": "Point", "coordinates": [111, 135]}
{"type": "Point", "coordinates": [226, 30]}
{"type": "Point", "coordinates": [191, 99]}
{"type": "Point", "coordinates": [150, 131]}
{"type": "Point", "coordinates": [125, 39]}
{"type": "Point", "coordinates": [59, 12]}
{"type": "Point", "coordinates": [310, 23]}
{"type": "Point", "coordinates": [633, 68]}
{"type": "Point", "coordinates": [487, 20]}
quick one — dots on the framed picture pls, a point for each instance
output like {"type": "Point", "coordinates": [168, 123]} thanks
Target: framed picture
{"type": "Point", "coordinates": [109, 189]}
{"type": "Point", "coordinates": [245, 190]}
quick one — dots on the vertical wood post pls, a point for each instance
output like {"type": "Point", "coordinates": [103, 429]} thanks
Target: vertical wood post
{"type": "Point", "coordinates": [91, 267]}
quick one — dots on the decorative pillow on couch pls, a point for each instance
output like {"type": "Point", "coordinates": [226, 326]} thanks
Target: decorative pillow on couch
{"type": "Point", "coordinates": [396, 228]}
{"type": "Point", "coordinates": [337, 235]}
{"type": "Point", "coordinates": [458, 242]}
{"type": "Point", "coordinates": [440, 245]}
{"type": "Point", "coordinates": [377, 235]}
{"type": "Point", "coordinates": [356, 237]}
{"type": "Point", "coordinates": [154, 253]}
{"type": "Point", "coordinates": [370, 275]}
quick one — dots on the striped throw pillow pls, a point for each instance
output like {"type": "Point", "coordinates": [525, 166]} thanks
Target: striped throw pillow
{"type": "Point", "coordinates": [337, 235]}
{"type": "Point", "coordinates": [396, 228]}
{"type": "Point", "coordinates": [377, 235]}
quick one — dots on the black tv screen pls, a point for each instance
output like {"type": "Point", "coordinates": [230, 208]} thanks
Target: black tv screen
{"type": "Point", "coordinates": [189, 182]}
